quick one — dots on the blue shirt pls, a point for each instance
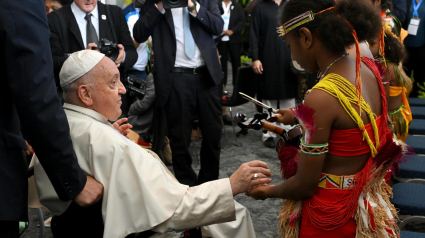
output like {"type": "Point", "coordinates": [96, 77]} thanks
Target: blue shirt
{"type": "Point", "coordinates": [419, 39]}
{"type": "Point", "coordinates": [128, 9]}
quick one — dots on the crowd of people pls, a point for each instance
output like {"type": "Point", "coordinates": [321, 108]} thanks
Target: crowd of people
{"type": "Point", "coordinates": [73, 103]}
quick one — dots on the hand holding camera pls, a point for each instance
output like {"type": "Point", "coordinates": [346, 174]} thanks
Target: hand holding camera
{"type": "Point", "coordinates": [110, 49]}
{"type": "Point", "coordinates": [166, 3]}
{"type": "Point", "coordinates": [120, 57]}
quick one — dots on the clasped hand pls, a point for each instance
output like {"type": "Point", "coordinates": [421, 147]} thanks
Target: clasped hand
{"type": "Point", "coordinates": [242, 180]}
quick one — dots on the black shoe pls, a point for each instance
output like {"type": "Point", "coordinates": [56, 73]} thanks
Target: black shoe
{"type": "Point", "coordinates": [227, 120]}
{"type": "Point", "coordinates": [269, 143]}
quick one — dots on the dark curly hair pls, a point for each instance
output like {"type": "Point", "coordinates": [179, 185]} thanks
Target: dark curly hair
{"type": "Point", "coordinates": [331, 26]}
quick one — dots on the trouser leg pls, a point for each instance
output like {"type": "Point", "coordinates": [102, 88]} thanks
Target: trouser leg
{"type": "Point", "coordinates": [235, 58]}
{"type": "Point", "coordinates": [9, 229]}
{"type": "Point", "coordinates": [223, 51]}
{"type": "Point", "coordinates": [180, 111]}
{"type": "Point", "coordinates": [414, 63]}
{"type": "Point", "coordinates": [76, 221]}
{"type": "Point", "coordinates": [209, 112]}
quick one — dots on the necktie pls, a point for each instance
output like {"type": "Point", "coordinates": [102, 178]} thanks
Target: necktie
{"type": "Point", "coordinates": [189, 43]}
{"type": "Point", "coordinates": [91, 32]}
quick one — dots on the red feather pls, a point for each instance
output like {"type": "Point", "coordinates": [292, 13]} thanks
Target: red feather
{"type": "Point", "coordinates": [305, 115]}
{"type": "Point", "coordinates": [392, 153]}
{"type": "Point", "coordinates": [288, 156]}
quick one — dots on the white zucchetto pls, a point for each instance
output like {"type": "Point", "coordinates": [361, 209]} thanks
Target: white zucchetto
{"type": "Point", "coordinates": [78, 64]}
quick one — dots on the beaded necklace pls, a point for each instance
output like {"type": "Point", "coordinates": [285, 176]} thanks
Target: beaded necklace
{"type": "Point", "coordinates": [321, 75]}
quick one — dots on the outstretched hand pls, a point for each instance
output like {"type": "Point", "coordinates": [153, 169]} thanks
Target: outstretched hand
{"type": "Point", "coordinates": [123, 129]}
{"type": "Point", "coordinates": [243, 179]}
{"type": "Point", "coordinates": [260, 192]}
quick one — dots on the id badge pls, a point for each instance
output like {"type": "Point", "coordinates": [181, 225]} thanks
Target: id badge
{"type": "Point", "coordinates": [413, 26]}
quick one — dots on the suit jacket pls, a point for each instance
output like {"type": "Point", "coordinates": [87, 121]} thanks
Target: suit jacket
{"type": "Point", "coordinates": [75, 40]}
{"type": "Point", "coordinates": [236, 21]}
{"type": "Point", "coordinates": [161, 27]}
{"type": "Point", "coordinates": [29, 106]}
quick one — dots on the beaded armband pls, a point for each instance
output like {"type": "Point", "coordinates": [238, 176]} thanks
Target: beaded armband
{"type": "Point", "coordinates": [314, 149]}
{"type": "Point", "coordinates": [397, 110]}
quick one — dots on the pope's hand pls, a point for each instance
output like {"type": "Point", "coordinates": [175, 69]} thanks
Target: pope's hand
{"type": "Point", "coordinates": [123, 129]}
{"type": "Point", "coordinates": [91, 194]}
{"type": "Point", "coordinates": [243, 179]}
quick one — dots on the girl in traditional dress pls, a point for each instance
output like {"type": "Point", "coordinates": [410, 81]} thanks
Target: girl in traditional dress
{"type": "Point", "coordinates": [399, 85]}
{"type": "Point", "coordinates": [334, 182]}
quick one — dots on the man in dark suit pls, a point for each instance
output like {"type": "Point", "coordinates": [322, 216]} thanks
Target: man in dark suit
{"type": "Point", "coordinates": [231, 43]}
{"type": "Point", "coordinates": [187, 74]}
{"type": "Point", "coordinates": [29, 108]}
{"type": "Point", "coordinates": [86, 22]}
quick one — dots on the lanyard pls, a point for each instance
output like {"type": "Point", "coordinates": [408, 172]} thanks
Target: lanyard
{"type": "Point", "coordinates": [416, 7]}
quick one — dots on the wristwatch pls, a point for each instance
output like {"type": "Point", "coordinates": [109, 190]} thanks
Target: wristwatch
{"type": "Point", "coordinates": [190, 9]}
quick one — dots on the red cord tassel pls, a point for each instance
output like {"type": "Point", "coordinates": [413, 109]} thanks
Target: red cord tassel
{"type": "Point", "coordinates": [372, 217]}
{"type": "Point", "coordinates": [358, 81]}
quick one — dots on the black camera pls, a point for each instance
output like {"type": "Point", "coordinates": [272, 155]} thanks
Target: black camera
{"type": "Point", "coordinates": [174, 3]}
{"type": "Point", "coordinates": [135, 87]}
{"type": "Point", "coordinates": [108, 48]}
{"type": "Point", "coordinates": [167, 3]}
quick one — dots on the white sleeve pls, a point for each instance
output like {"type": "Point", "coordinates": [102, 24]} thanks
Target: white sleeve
{"type": "Point", "coordinates": [208, 203]}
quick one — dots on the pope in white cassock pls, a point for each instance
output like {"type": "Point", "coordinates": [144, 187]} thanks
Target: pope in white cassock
{"type": "Point", "coordinates": [140, 193]}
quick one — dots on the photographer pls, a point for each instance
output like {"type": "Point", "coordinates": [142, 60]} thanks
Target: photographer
{"type": "Point", "coordinates": [81, 24]}
{"type": "Point", "coordinates": [187, 74]}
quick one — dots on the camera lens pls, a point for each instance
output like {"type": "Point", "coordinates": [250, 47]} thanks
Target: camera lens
{"type": "Point", "coordinates": [109, 53]}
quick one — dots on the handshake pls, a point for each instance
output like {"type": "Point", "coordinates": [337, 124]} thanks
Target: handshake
{"type": "Point", "coordinates": [249, 175]}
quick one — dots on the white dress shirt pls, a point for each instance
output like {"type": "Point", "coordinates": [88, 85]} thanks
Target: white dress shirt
{"type": "Point", "coordinates": [82, 22]}
{"type": "Point", "coordinates": [142, 51]}
{"type": "Point", "coordinates": [226, 19]}
{"type": "Point", "coordinates": [181, 58]}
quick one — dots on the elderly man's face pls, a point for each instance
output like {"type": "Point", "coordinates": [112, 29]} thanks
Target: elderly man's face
{"type": "Point", "coordinates": [107, 90]}
{"type": "Point", "coordinates": [86, 6]}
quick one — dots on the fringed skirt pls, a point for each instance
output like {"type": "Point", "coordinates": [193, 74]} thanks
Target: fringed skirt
{"type": "Point", "coordinates": [373, 216]}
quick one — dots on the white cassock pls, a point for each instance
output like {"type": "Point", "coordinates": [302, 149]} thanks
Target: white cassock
{"type": "Point", "coordinates": [140, 193]}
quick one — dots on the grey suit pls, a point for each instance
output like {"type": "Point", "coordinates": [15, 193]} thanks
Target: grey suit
{"type": "Point", "coordinates": [141, 112]}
